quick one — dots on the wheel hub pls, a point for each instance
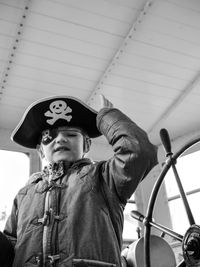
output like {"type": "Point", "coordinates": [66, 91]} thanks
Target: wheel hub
{"type": "Point", "coordinates": [191, 246]}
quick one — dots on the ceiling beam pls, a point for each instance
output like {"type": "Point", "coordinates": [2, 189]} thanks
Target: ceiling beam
{"type": "Point", "coordinates": [13, 49]}
{"type": "Point", "coordinates": [115, 59]}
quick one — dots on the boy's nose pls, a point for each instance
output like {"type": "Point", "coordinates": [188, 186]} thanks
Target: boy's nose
{"type": "Point", "coordinates": [61, 137]}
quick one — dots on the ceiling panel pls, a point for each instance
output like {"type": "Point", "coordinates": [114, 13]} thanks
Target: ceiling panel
{"type": "Point", "coordinates": [142, 55]}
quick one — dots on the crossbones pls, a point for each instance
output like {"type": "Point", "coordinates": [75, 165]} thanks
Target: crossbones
{"type": "Point", "coordinates": [58, 110]}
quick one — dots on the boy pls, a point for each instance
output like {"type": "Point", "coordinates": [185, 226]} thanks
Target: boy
{"type": "Point", "coordinates": [71, 213]}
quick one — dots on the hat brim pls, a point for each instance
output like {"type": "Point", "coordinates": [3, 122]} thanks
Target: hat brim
{"type": "Point", "coordinates": [54, 112]}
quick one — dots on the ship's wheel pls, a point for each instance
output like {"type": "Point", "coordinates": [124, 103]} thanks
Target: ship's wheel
{"type": "Point", "coordinates": [191, 239]}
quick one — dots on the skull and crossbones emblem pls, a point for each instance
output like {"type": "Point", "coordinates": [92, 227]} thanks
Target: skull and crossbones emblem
{"type": "Point", "coordinates": [58, 110]}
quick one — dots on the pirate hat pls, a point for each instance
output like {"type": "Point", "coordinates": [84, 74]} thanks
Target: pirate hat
{"type": "Point", "coordinates": [54, 112]}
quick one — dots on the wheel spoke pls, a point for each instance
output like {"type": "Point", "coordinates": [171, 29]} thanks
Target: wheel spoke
{"type": "Point", "coordinates": [183, 196]}
{"type": "Point", "coordinates": [181, 264]}
{"type": "Point", "coordinates": [138, 216]}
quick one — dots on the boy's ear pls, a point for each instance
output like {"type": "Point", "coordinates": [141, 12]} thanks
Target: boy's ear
{"type": "Point", "coordinates": [87, 144]}
{"type": "Point", "coordinates": [40, 151]}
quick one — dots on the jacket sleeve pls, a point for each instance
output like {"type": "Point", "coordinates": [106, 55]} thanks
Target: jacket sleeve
{"type": "Point", "coordinates": [10, 229]}
{"type": "Point", "coordinates": [6, 251]}
{"type": "Point", "coordinates": [8, 239]}
{"type": "Point", "coordinates": [134, 155]}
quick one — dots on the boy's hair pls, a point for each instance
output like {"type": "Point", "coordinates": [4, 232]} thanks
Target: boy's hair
{"type": "Point", "coordinates": [86, 143]}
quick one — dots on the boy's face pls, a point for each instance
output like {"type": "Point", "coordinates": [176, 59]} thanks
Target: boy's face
{"type": "Point", "coordinates": [63, 143]}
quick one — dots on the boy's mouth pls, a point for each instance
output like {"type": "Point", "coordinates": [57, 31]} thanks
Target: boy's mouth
{"type": "Point", "coordinates": [63, 148]}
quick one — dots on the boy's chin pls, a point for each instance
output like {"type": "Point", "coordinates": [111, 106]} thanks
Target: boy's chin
{"type": "Point", "coordinates": [65, 159]}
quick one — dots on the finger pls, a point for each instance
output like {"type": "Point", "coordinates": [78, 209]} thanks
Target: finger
{"type": "Point", "coordinates": [102, 100]}
{"type": "Point", "coordinates": [105, 102]}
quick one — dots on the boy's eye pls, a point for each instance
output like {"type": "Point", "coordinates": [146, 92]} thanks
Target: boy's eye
{"type": "Point", "coordinates": [71, 134]}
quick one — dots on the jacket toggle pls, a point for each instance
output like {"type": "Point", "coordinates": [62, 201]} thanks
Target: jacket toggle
{"type": "Point", "coordinates": [48, 217]}
{"type": "Point", "coordinates": [52, 185]}
{"type": "Point", "coordinates": [38, 260]}
{"type": "Point", "coordinates": [45, 220]}
{"type": "Point", "coordinates": [53, 258]}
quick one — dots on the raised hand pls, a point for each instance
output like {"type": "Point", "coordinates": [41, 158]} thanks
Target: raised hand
{"type": "Point", "coordinates": [105, 103]}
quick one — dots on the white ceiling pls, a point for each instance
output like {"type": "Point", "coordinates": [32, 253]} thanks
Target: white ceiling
{"type": "Point", "coordinates": [144, 56]}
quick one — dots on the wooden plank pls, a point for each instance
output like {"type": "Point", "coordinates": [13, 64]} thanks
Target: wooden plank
{"type": "Point", "coordinates": [78, 17]}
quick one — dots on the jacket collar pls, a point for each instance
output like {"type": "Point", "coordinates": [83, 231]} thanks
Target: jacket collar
{"type": "Point", "coordinates": [57, 170]}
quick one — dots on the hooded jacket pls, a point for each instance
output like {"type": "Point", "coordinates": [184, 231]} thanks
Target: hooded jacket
{"type": "Point", "coordinates": [74, 217]}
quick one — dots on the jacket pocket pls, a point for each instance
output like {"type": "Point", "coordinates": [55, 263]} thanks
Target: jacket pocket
{"type": "Point", "coordinates": [91, 263]}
